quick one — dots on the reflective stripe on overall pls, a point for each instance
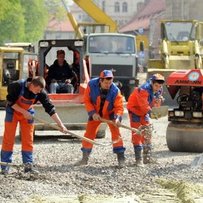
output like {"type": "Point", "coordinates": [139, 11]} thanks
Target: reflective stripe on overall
{"type": "Point", "coordinates": [26, 129]}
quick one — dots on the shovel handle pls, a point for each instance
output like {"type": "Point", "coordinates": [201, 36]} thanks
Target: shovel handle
{"type": "Point", "coordinates": [9, 164]}
{"type": "Point", "coordinates": [121, 125]}
{"type": "Point", "coordinates": [69, 132]}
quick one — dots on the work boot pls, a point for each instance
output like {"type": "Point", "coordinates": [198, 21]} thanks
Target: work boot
{"type": "Point", "coordinates": [138, 156]}
{"type": "Point", "coordinates": [121, 159]}
{"type": "Point", "coordinates": [84, 160]}
{"type": "Point", "coordinates": [147, 154]}
{"type": "Point", "coordinates": [28, 168]}
{"type": "Point", "coordinates": [138, 159]}
{"type": "Point", "coordinates": [4, 171]}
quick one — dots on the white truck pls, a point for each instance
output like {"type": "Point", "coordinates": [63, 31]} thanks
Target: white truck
{"type": "Point", "coordinates": [116, 52]}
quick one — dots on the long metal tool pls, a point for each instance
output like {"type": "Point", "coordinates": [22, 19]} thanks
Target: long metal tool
{"type": "Point", "coordinates": [10, 164]}
{"type": "Point", "coordinates": [75, 135]}
{"type": "Point", "coordinates": [122, 126]}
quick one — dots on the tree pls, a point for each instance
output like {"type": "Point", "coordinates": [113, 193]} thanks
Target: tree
{"type": "Point", "coordinates": [3, 9]}
{"type": "Point", "coordinates": [36, 18]}
{"type": "Point", "coordinates": [10, 29]}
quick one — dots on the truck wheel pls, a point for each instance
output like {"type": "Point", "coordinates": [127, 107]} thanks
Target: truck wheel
{"type": "Point", "coordinates": [184, 137]}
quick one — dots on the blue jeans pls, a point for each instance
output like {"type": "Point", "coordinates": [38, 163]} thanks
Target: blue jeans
{"type": "Point", "coordinates": [61, 87]}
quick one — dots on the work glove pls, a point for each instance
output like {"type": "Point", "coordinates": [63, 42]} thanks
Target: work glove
{"type": "Point", "coordinates": [96, 117]}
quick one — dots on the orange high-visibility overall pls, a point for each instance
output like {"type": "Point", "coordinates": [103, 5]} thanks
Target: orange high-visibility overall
{"type": "Point", "coordinates": [139, 107]}
{"type": "Point", "coordinates": [26, 129]}
{"type": "Point", "coordinates": [112, 109]}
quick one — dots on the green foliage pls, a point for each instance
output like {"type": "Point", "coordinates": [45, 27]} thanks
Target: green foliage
{"type": "Point", "coordinates": [22, 20]}
{"type": "Point", "coordinates": [56, 9]}
{"type": "Point", "coordinates": [36, 18]}
{"type": "Point", "coordinates": [12, 25]}
{"type": "Point", "coordinates": [3, 9]}
{"type": "Point", "coordinates": [26, 20]}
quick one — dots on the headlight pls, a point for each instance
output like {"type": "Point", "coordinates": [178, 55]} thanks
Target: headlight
{"type": "Point", "coordinates": [179, 113]}
{"type": "Point", "coordinates": [197, 114]}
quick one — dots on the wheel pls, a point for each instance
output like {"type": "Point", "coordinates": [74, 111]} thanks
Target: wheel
{"type": "Point", "coordinates": [184, 137]}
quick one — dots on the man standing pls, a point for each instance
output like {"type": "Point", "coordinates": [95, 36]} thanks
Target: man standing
{"type": "Point", "coordinates": [21, 96]}
{"type": "Point", "coordinates": [139, 107]}
{"type": "Point", "coordinates": [103, 100]}
{"type": "Point", "coordinates": [60, 75]}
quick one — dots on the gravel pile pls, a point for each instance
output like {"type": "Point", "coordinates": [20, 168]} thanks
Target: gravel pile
{"type": "Point", "coordinates": [60, 181]}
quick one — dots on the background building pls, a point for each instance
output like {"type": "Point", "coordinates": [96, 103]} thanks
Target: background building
{"type": "Point", "coordinates": [119, 10]}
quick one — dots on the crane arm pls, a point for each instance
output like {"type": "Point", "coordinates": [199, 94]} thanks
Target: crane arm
{"type": "Point", "coordinates": [97, 14]}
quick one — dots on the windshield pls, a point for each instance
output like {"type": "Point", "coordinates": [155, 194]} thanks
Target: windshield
{"type": "Point", "coordinates": [111, 44]}
{"type": "Point", "coordinates": [179, 31]}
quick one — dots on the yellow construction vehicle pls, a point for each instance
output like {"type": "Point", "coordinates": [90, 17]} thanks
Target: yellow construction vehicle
{"type": "Point", "coordinates": [180, 61]}
{"type": "Point", "coordinates": [180, 48]}
{"type": "Point", "coordinates": [27, 46]}
{"type": "Point", "coordinates": [13, 66]}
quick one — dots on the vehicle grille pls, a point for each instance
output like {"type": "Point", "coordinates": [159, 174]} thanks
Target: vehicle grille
{"type": "Point", "coordinates": [119, 71]}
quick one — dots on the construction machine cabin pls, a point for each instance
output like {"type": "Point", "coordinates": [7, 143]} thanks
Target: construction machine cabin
{"type": "Point", "coordinates": [69, 106]}
{"type": "Point", "coordinates": [13, 66]}
{"type": "Point", "coordinates": [181, 47]}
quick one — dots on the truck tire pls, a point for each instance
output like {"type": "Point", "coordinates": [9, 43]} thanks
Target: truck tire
{"type": "Point", "coordinates": [184, 137]}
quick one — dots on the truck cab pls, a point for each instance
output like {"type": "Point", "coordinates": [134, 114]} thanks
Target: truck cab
{"type": "Point", "coordinates": [116, 52]}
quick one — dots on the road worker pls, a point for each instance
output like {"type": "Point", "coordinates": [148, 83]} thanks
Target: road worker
{"type": "Point", "coordinates": [103, 100]}
{"type": "Point", "coordinates": [22, 94]}
{"type": "Point", "coordinates": [139, 106]}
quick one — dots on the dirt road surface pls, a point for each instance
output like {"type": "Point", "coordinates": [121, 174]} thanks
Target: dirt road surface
{"type": "Point", "coordinates": [169, 179]}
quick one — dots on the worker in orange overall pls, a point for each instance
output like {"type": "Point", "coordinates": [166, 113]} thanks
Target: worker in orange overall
{"type": "Point", "coordinates": [103, 100]}
{"type": "Point", "coordinates": [139, 106]}
{"type": "Point", "coordinates": [21, 96]}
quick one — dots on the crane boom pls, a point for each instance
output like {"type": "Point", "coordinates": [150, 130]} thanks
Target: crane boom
{"type": "Point", "coordinates": [97, 14]}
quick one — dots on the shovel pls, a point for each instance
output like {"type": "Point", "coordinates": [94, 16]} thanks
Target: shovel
{"type": "Point", "coordinates": [75, 135]}
{"type": "Point", "coordinates": [10, 164]}
{"type": "Point", "coordinates": [137, 131]}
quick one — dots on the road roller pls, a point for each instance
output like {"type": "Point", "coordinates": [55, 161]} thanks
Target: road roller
{"type": "Point", "coordinates": [185, 129]}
